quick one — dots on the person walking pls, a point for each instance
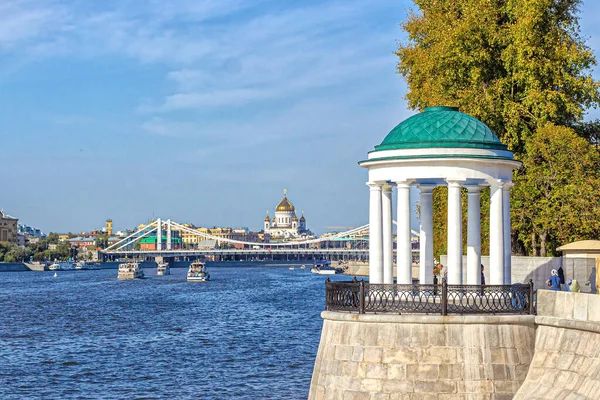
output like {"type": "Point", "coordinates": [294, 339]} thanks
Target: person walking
{"type": "Point", "coordinates": [482, 275]}
{"type": "Point", "coordinates": [554, 281]}
{"type": "Point", "coordinates": [561, 275]}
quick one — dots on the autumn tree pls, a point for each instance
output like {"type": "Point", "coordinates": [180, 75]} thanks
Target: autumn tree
{"type": "Point", "coordinates": [557, 200]}
{"type": "Point", "coordinates": [517, 65]}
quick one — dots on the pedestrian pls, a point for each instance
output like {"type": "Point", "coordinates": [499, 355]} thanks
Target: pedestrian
{"type": "Point", "coordinates": [445, 273]}
{"type": "Point", "coordinates": [561, 275]}
{"type": "Point", "coordinates": [574, 286]}
{"type": "Point", "coordinates": [554, 281]}
{"type": "Point", "coordinates": [482, 275]}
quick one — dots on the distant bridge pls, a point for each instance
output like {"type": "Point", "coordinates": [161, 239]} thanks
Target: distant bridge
{"type": "Point", "coordinates": [355, 241]}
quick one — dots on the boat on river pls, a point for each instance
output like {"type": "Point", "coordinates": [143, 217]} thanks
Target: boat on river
{"type": "Point", "coordinates": [130, 270]}
{"type": "Point", "coordinates": [325, 268]}
{"type": "Point", "coordinates": [61, 266]}
{"type": "Point", "coordinates": [197, 272]}
{"type": "Point", "coordinates": [163, 269]}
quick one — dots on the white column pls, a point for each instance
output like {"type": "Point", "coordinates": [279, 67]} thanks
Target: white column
{"type": "Point", "coordinates": [375, 234]}
{"type": "Point", "coordinates": [426, 234]}
{"type": "Point", "coordinates": [474, 236]}
{"type": "Point", "coordinates": [168, 234]}
{"type": "Point", "coordinates": [454, 233]}
{"type": "Point", "coordinates": [507, 232]}
{"type": "Point", "coordinates": [159, 235]}
{"type": "Point", "coordinates": [388, 244]}
{"type": "Point", "coordinates": [496, 233]}
{"type": "Point", "coordinates": [403, 246]}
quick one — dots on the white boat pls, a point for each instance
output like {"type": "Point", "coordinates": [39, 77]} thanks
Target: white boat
{"type": "Point", "coordinates": [197, 272]}
{"type": "Point", "coordinates": [61, 266]}
{"type": "Point", "coordinates": [292, 268]}
{"type": "Point", "coordinates": [303, 266]}
{"type": "Point", "coordinates": [130, 271]}
{"type": "Point", "coordinates": [55, 275]}
{"type": "Point", "coordinates": [163, 269]}
{"type": "Point", "coordinates": [322, 271]}
{"type": "Point", "coordinates": [325, 268]}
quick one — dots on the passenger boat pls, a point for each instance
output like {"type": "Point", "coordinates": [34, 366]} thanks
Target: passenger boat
{"type": "Point", "coordinates": [163, 269]}
{"type": "Point", "coordinates": [130, 270]}
{"type": "Point", "coordinates": [324, 268]}
{"type": "Point", "coordinates": [198, 272]}
{"type": "Point", "coordinates": [61, 266]}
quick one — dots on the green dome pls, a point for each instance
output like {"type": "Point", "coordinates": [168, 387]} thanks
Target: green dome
{"type": "Point", "coordinates": [440, 126]}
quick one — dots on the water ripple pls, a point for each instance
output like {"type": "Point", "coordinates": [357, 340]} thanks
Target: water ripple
{"type": "Point", "coordinates": [251, 333]}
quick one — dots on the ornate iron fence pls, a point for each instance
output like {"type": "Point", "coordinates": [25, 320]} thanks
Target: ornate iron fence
{"type": "Point", "coordinates": [364, 297]}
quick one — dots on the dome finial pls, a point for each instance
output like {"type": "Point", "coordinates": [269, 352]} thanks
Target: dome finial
{"type": "Point", "coordinates": [284, 192]}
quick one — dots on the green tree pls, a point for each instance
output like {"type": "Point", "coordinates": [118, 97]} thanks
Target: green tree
{"type": "Point", "coordinates": [517, 65]}
{"type": "Point", "coordinates": [101, 241]}
{"type": "Point", "coordinates": [52, 238]}
{"type": "Point", "coordinates": [556, 197]}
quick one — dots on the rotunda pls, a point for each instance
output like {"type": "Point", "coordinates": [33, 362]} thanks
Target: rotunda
{"type": "Point", "coordinates": [439, 146]}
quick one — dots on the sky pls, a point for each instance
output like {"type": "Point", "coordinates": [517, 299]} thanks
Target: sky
{"type": "Point", "coordinates": [201, 111]}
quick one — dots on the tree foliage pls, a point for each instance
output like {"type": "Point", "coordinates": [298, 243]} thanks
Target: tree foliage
{"type": "Point", "coordinates": [517, 65]}
{"type": "Point", "coordinates": [556, 196]}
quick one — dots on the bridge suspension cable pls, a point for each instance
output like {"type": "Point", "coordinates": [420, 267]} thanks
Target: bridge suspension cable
{"type": "Point", "coordinates": [174, 226]}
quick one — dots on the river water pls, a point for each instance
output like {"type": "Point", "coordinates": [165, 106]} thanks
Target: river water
{"type": "Point", "coordinates": [250, 333]}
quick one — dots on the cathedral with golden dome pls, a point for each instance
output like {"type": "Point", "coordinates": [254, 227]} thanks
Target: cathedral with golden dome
{"type": "Point", "coordinates": [285, 223]}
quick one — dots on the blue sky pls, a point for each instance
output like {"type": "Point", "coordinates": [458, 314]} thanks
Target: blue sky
{"type": "Point", "coordinates": [197, 110]}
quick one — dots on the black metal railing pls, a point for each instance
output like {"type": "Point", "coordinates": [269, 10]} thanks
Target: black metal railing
{"type": "Point", "coordinates": [444, 299]}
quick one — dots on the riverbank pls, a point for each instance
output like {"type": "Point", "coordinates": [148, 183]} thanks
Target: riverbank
{"type": "Point", "coordinates": [37, 267]}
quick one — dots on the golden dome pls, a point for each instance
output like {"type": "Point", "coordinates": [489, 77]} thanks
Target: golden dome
{"type": "Point", "coordinates": [267, 219]}
{"type": "Point", "coordinates": [285, 205]}
{"type": "Point", "coordinates": [294, 218]}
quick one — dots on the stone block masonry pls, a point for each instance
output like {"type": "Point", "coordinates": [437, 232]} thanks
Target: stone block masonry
{"type": "Point", "coordinates": [566, 361]}
{"type": "Point", "coordinates": [422, 356]}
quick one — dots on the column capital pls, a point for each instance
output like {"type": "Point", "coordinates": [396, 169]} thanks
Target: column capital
{"type": "Point", "coordinates": [455, 182]}
{"type": "Point", "coordinates": [387, 187]}
{"type": "Point", "coordinates": [474, 188]}
{"type": "Point", "coordinates": [497, 183]}
{"type": "Point", "coordinates": [375, 185]}
{"type": "Point", "coordinates": [404, 183]}
{"type": "Point", "coordinates": [426, 188]}
{"type": "Point", "coordinates": [507, 186]}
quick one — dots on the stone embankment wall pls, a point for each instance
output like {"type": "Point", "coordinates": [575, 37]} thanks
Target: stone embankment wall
{"type": "Point", "coordinates": [566, 361]}
{"type": "Point", "coordinates": [13, 267]}
{"type": "Point", "coordinates": [538, 269]}
{"type": "Point", "coordinates": [388, 357]}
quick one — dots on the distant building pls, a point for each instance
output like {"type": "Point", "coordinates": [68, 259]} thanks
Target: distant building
{"type": "Point", "coordinates": [79, 241]}
{"type": "Point", "coordinates": [22, 239]}
{"type": "Point", "coordinates": [149, 243]}
{"type": "Point", "coordinates": [8, 228]}
{"type": "Point", "coordinates": [285, 223]}
{"type": "Point", "coordinates": [31, 232]}
{"type": "Point", "coordinates": [109, 227]}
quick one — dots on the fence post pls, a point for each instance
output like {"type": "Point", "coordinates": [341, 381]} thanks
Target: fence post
{"type": "Point", "coordinates": [444, 297]}
{"type": "Point", "coordinates": [327, 294]}
{"type": "Point", "coordinates": [531, 304]}
{"type": "Point", "coordinates": [361, 297]}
